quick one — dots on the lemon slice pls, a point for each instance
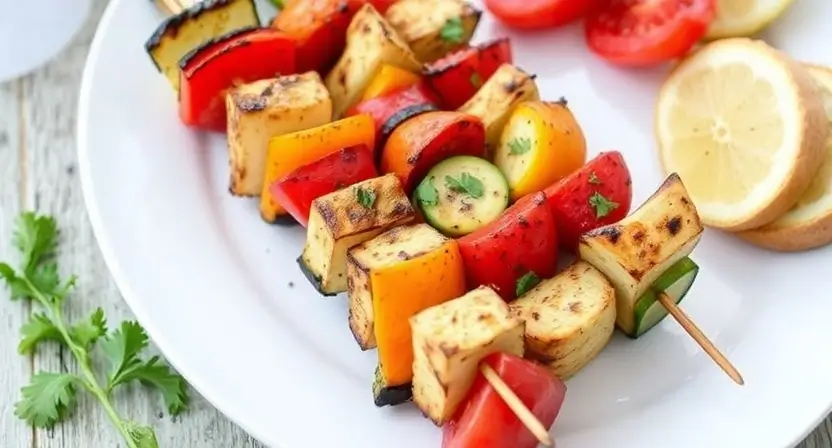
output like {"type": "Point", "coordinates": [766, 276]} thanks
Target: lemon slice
{"type": "Point", "coordinates": [741, 18]}
{"type": "Point", "coordinates": [808, 224]}
{"type": "Point", "coordinates": [744, 127]}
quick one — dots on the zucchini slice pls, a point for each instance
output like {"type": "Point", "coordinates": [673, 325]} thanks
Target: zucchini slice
{"type": "Point", "coordinates": [180, 34]}
{"type": "Point", "coordinates": [462, 194]}
{"type": "Point", "coordinates": [384, 395]}
{"type": "Point", "coordinates": [675, 282]}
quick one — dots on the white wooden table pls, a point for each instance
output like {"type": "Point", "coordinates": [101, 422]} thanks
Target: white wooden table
{"type": "Point", "coordinates": [38, 171]}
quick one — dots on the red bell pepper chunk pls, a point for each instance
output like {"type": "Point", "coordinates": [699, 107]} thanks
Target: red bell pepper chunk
{"type": "Point", "coordinates": [458, 76]}
{"type": "Point", "coordinates": [392, 109]}
{"type": "Point", "coordinates": [320, 29]}
{"type": "Point", "coordinates": [598, 194]}
{"type": "Point", "coordinates": [513, 251]}
{"type": "Point", "coordinates": [239, 57]}
{"type": "Point", "coordinates": [297, 190]}
{"type": "Point", "coordinates": [485, 421]}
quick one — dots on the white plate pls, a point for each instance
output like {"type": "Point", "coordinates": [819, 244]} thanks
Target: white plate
{"type": "Point", "coordinates": [220, 293]}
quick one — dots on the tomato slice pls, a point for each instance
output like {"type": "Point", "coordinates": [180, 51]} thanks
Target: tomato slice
{"type": "Point", "coordinates": [538, 14]}
{"type": "Point", "coordinates": [646, 32]}
{"type": "Point", "coordinates": [485, 421]}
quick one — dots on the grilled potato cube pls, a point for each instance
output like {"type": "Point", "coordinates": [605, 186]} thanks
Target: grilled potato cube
{"type": "Point", "coordinates": [634, 252]}
{"type": "Point", "coordinates": [344, 218]}
{"type": "Point", "coordinates": [371, 43]}
{"type": "Point", "coordinates": [450, 340]}
{"type": "Point", "coordinates": [434, 28]}
{"type": "Point", "coordinates": [181, 33]}
{"type": "Point", "coordinates": [264, 109]}
{"type": "Point", "coordinates": [497, 98]}
{"type": "Point", "coordinates": [569, 318]}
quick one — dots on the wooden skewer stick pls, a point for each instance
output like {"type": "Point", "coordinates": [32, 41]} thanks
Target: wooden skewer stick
{"type": "Point", "coordinates": [520, 410]}
{"type": "Point", "coordinates": [700, 338]}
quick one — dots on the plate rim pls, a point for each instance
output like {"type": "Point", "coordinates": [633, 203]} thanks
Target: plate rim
{"type": "Point", "coordinates": [120, 277]}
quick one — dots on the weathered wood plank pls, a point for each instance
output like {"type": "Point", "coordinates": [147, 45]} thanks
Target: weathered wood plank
{"type": "Point", "coordinates": [50, 99]}
{"type": "Point", "coordinates": [821, 438]}
{"type": "Point", "coordinates": [16, 369]}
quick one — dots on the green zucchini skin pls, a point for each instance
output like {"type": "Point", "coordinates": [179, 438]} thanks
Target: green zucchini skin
{"type": "Point", "coordinates": [457, 214]}
{"type": "Point", "coordinates": [384, 395]}
{"type": "Point", "coordinates": [313, 278]}
{"type": "Point", "coordinates": [681, 270]}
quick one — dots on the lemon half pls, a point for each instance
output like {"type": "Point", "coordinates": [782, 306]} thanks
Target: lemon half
{"type": "Point", "coordinates": [744, 127]}
{"type": "Point", "coordinates": [742, 18]}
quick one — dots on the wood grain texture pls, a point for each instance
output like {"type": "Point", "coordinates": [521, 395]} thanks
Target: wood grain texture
{"type": "Point", "coordinates": [38, 170]}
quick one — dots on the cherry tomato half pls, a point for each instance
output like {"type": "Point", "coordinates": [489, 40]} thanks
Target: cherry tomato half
{"type": "Point", "coordinates": [647, 32]}
{"type": "Point", "coordinates": [538, 14]}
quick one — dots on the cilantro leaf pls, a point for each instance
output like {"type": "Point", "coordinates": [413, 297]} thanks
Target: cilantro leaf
{"type": "Point", "coordinates": [85, 333]}
{"type": "Point", "coordinates": [520, 145]}
{"type": "Point", "coordinates": [593, 178]}
{"type": "Point", "coordinates": [47, 399]}
{"type": "Point", "coordinates": [453, 31]}
{"type": "Point", "coordinates": [602, 205]}
{"type": "Point", "coordinates": [141, 436]}
{"type": "Point", "coordinates": [467, 184]}
{"type": "Point", "coordinates": [526, 283]}
{"type": "Point", "coordinates": [17, 286]}
{"type": "Point", "coordinates": [279, 4]}
{"type": "Point", "coordinates": [427, 193]}
{"type": "Point", "coordinates": [153, 374]}
{"type": "Point", "coordinates": [38, 329]}
{"type": "Point", "coordinates": [476, 80]}
{"type": "Point", "coordinates": [36, 237]}
{"type": "Point", "coordinates": [122, 347]}
{"type": "Point", "coordinates": [365, 197]}
{"type": "Point", "coordinates": [45, 279]}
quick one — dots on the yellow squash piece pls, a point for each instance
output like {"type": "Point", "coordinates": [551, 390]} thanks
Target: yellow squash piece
{"type": "Point", "coordinates": [541, 144]}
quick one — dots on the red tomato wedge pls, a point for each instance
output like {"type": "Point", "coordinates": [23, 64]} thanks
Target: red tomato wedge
{"type": "Point", "coordinates": [647, 32]}
{"type": "Point", "coordinates": [538, 14]}
{"type": "Point", "coordinates": [485, 421]}
{"type": "Point", "coordinates": [459, 75]}
{"type": "Point", "coordinates": [320, 29]}
{"type": "Point", "coordinates": [598, 194]}
{"type": "Point", "coordinates": [522, 243]}
{"type": "Point", "coordinates": [238, 57]}
{"type": "Point", "coordinates": [300, 188]}
{"type": "Point", "coordinates": [382, 5]}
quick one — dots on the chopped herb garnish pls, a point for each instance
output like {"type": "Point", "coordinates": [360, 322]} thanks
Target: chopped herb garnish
{"type": "Point", "coordinates": [467, 184]}
{"type": "Point", "coordinates": [593, 178]}
{"type": "Point", "coordinates": [365, 197]}
{"type": "Point", "coordinates": [453, 32]}
{"type": "Point", "coordinates": [520, 145]}
{"type": "Point", "coordinates": [526, 283]}
{"type": "Point", "coordinates": [279, 4]}
{"type": "Point", "coordinates": [602, 205]}
{"type": "Point", "coordinates": [476, 80]}
{"type": "Point", "coordinates": [427, 193]}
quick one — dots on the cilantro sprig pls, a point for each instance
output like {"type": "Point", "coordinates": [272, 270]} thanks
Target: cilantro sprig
{"type": "Point", "coordinates": [453, 31]}
{"type": "Point", "coordinates": [50, 397]}
{"type": "Point", "coordinates": [466, 184]}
